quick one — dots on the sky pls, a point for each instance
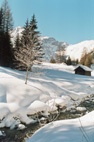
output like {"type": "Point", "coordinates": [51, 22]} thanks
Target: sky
{"type": "Point", "coordinates": [71, 21]}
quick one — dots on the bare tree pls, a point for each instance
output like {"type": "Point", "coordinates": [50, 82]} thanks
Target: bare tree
{"type": "Point", "coordinates": [60, 54]}
{"type": "Point", "coordinates": [30, 50]}
{"type": "Point", "coordinates": [86, 58]}
{"type": "Point", "coordinates": [83, 57]}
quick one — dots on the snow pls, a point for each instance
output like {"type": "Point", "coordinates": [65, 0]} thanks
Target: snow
{"type": "Point", "coordinates": [21, 127]}
{"type": "Point", "coordinates": [49, 85]}
{"type": "Point", "coordinates": [75, 51]}
{"type": "Point", "coordinates": [38, 106]}
{"type": "Point", "coordinates": [84, 67]}
{"type": "Point", "coordinates": [81, 109]}
{"type": "Point", "coordinates": [17, 31]}
{"type": "Point", "coordinates": [1, 134]}
{"type": "Point", "coordinates": [44, 37]}
{"type": "Point", "coordinates": [73, 130]}
{"type": "Point", "coordinates": [50, 44]}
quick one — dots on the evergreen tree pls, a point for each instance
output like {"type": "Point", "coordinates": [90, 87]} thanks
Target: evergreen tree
{"type": "Point", "coordinates": [68, 61]}
{"type": "Point", "coordinates": [1, 35]}
{"type": "Point", "coordinates": [37, 49]}
{"type": "Point", "coordinates": [7, 51]}
{"type": "Point", "coordinates": [17, 45]}
{"type": "Point", "coordinates": [1, 19]}
{"type": "Point", "coordinates": [52, 60]}
{"type": "Point", "coordinates": [21, 44]}
{"type": "Point", "coordinates": [25, 34]}
{"type": "Point", "coordinates": [5, 41]}
{"type": "Point", "coordinates": [31, 49]}
{"type": "Point", "coordinates": [7, 20]}
{"type": "Point", "coordinates": [76, 62]}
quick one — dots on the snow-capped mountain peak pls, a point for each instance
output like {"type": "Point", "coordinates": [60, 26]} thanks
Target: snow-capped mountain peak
{"type": "Point", "coordinates": [75, 51]}
{"type": "Point", "coordinates": [50, 44]}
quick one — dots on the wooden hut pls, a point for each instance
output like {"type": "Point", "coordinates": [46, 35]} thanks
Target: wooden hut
{"type": "Point", "coordinates": [83, 70]}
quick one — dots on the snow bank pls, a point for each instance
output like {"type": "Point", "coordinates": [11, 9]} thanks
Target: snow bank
{"type": "Point", "coordinates": [74, 130]}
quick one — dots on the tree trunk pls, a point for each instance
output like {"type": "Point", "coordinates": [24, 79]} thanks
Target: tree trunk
{"type": "Point", "coordinates": [26, 76]}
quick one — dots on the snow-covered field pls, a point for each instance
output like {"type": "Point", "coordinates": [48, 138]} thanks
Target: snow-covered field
{"type": "Point", "coordinates": [49, 85]}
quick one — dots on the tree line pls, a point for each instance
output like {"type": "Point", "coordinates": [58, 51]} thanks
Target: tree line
{"type": "Point", "coordinates": [6, 24]}
{"type": "Point", "coordinates": [86, 58]}
{"type": "Point", "coordinates": [27, 49]}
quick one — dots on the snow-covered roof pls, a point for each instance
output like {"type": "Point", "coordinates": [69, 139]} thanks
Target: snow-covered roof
{"type": "Point", "coordinates": [83, 67]}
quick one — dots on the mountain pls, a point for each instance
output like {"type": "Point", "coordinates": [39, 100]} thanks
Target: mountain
{"type": "Point", "coordinates": [75, 51]}
{"type": "Point", "coordinates": [14, 32]}
{"type": "Point", "coordinates": [50, 44]}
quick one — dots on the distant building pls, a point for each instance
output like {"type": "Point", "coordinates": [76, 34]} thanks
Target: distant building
{"type": "Point", "coordinates": [83, 70]}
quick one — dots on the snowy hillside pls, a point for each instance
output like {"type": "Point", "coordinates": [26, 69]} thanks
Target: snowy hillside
{"type": "Point", "coordinates": [50, 45]}
{"type": "Point", "coordinates": [75, 51]}
{"type": "Point", "coordinates": [48, 86]}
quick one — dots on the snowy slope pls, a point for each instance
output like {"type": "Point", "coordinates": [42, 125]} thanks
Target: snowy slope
{"type": "Point", "coordinates": [75, 51]}
{"type": "Point", "coordinates": [14, 32]}
{"type": "Point", "coordinates": [74, 130]}
{"type": "Point", "coordinates": [48, 86]}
